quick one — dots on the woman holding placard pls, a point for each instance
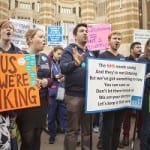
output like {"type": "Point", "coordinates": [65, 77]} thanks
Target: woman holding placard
{"type": "Point", "coordinates": [32, 120]}
{"type": "Point", "coordinates": [7, 118]}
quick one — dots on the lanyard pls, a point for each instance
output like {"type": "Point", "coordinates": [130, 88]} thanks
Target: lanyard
{"type": "Point", "coordinates": [55, 67]}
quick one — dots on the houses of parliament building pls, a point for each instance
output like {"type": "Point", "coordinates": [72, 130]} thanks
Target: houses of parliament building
{"type": "Point", "coordinates": [123, 15]}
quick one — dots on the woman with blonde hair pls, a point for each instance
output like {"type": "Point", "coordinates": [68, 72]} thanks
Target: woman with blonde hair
{"type": "Point", "coordinates": [32, 120]}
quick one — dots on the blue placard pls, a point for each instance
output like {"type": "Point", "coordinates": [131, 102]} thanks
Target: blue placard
{"type": "Point", "coordinates": [54, 34]}
{"type": "Point", "coordinates": [55, 39]}
{"type": "Point", "coordinates": [55, 30]}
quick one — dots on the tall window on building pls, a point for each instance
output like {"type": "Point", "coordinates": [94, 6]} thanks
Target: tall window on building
{"type": "Point", "coordinates": [59, 9]}
{"type": "Point", "coordinates": [148, 15]}
{"type": "Point", "coordinates": [101, 8]}
{"type": "Point", "coordinates": [57, 23]}
{"type": "Point", "coordinates": [9, 5]}
{"type": "Point", "coordinates": [38, 6]}
{"type": "Point", "coordinates": [79, 11]}
{"type": "Point", "coordinates": [33, 6]}
{"type": "Point", "coordinates": [66, 26]}
{"type": "Point", "coordinates": [66, 10]}
{"type": "Point", "coordinates": [16, 3]}
{"type": "Point", "coordinates": [140, 14]}
{"type": "Point", "coordinates": [74, 10]}
{"type": "Point", "coordinates": [24, 5]}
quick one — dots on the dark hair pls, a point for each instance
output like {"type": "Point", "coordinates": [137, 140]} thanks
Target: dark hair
{"type": "Point", "coordinates": [133, 44]}
{"type": "Point", "coordinates": [78, 26]}
{"type": "Point", "coordinates": [57, 47]}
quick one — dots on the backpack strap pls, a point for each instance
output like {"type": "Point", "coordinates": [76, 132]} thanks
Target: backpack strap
{"type": "Point", "coordinates": [40, 58]}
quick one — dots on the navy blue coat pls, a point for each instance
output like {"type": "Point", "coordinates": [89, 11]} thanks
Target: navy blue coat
{"type": "Point", "coordinates": [75, 76]}
{"type": "Point", "coordinates": [145, 105]}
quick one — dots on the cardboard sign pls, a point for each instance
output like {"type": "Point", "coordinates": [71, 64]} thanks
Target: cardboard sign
{"type": "Point", "coordinates": [113, 84]}
{"type": "Point", "coordinates": [18, 82]}
{"type": "Point", "coordinates": [140, 35]}
{"type": "Point", "coordinates": [54, 35]}
{"type": "Point", "coordinates": [21, 28]}
{"type": "Point", "coordinates": [97, 36]}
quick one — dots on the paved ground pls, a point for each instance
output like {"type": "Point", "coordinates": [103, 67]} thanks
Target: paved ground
{"type": "Point", "coordinates": [58, 145]}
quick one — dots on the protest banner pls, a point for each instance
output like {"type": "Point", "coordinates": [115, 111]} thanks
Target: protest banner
{"type": "Point", "coordinates": [18, 82]}
{"type": "Point", "coordinates": [21, 28]}
{"type": "Point", "coordinates": [97, 36]}
{"type": "Point", "coordinates": [141, 35]}
{"type": "Point", "coordinates": [114, 85]}
{"type": "Point", "coordinates": [54, 35]}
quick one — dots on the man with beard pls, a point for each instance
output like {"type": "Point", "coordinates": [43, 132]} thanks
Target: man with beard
{"type": "Point", "coordinates": [73, 67]}
{"type": "Point", "coordinates": [135, 53]}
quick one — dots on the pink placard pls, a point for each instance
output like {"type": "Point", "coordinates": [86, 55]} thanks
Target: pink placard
{"type": "Point", "coordinates": [98, 36]}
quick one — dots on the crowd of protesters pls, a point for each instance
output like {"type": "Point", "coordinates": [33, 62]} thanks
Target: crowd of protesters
{"type": "Point", "coordinates": [65, 70]}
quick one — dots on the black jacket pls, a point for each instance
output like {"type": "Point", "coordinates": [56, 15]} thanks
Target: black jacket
{"type": "Point", "coordinates": [75, 76]}
{"type": "Point", "coordinates": [109, 55]}
{"type": "Point", "coordinates": [12, 49]}
{"type": "Point", "coordinates": [145, 104]}
{"type": "Point", "coordinates": [43, 70]}
{"type": "Point", "coordinates": [130, 58]}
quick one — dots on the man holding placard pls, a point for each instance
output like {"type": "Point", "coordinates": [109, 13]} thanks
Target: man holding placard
{"type": "Point", "coordinates": [112, 119]}
{"type": "Point", "coordinates": [135, 53]}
